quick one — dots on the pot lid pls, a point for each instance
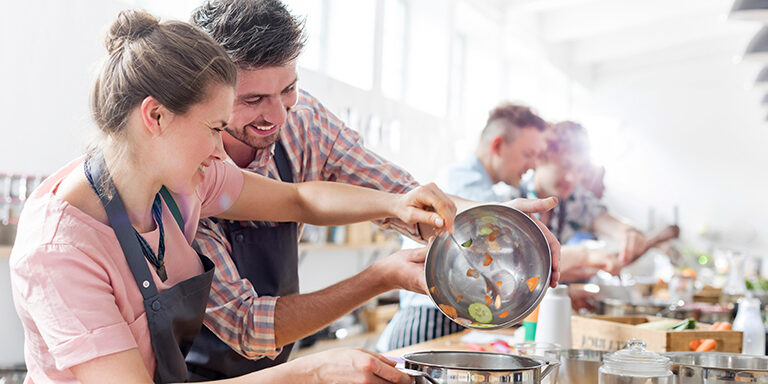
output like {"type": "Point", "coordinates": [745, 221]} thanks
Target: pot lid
{"type": "Point", "coordinates": [635, 360]}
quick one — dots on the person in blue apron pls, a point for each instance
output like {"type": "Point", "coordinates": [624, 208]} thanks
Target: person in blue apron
{"type": "Point", "coordinates": [282, 132]}
{"type": "Point", "coordinates": [104, 278]}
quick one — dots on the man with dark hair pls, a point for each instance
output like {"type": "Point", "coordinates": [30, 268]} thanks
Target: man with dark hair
{"type": "Point", "coordinates": [281, 132]}
{"type": "Point", "coordinates": [508, 146]}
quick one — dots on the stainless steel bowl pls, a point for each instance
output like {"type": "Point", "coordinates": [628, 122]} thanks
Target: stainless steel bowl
{"type": "Point", "coordinates": [519, 252]}
{"type": "Point", "coordinates": [718, 368]}
{"type": "Point", "coordinates": [578, 366]}
{"type": "Point", "coordinates": [459, 367]}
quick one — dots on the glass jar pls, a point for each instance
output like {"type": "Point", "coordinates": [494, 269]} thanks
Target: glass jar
{"type": "Point", "coordinates": [635, 365]}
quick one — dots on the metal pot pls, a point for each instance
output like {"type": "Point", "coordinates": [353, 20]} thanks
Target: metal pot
{"type": "Point", "coordinates": [614, 307]}
{"type": "Point", "coordinates": [718, 368]}
{"type": "Point", "coordinates": [578, 366]}
{"type": "Point", "coordinates": [453, 367]}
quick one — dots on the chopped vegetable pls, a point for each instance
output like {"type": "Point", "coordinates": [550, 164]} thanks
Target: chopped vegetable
{"type": "Point", "coordinates": [685, 324]}
{"type": "Point", "coordinates": [488, 259]}
{"type": "Point", "coordinates": [485, 231]}
{"type": "Point", "coordinates": [497, 302]}
{"type": "Point", "coordinates": [707, 345]}
{"type": "Point", "coordinates": [481, 325]}
{"type": "Point", "coordinates": [472, 273]}
{"type": "Point", "coordinates": [467, 243]}
{"type": "Point", "coordinates": [463, 321]}
{"type": "Point", "coordinates": [449, 310]}
{"type": "Point", "coordinates": [488, 300]}
{"type": "Point", "coordinates": [481, 313]}
{"type": "Point", "coordinates": [459, 297]}
{"type": "Point", "coordinates": [498, 284]}
{"type": "Point", "coordinates": [492, 236]}
{"type": "Point", "coordinates": [532, 283]}
{"type": "Point", "coordinates": [432, 290]}
{"type": "Point", "coordinates": [488, 219]}
{"type": "Point", "coordinates": [503, 314]}
{"type": "Point", "coordinates": [694, 344]}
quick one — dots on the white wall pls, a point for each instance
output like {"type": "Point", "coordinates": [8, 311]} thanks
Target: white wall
{"type": "Point", "coordinates": [690, 133]}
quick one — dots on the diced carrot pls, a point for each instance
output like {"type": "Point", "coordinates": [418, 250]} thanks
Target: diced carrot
{"type": "Point", "coordinates": [532, 283]}
{"type": "Point", "coordinates": [724, 326]}
{"type": "Point", "coordinates": [471, 273]}
{"type": "Point", "coordinates": [707, 345]}
{"type": "Point", "coordinates": [488, 260]}
{"type": "Point", "coordinates": [459, 297]}
{"type": "Point", "coordinates": [694, 344]}
{"type": "Point", "coordinates": [488, 300]}
{"type": "Point", "coordinates": [492, 236]}
{"type": "Point", "coordinates": [449, 310]}
{"type": "Point", "coordinates": [503, 315]}
{"type": "Point", "coordinates": [498, 284]}
{"type": "Point", "coordinates": [432, 290]}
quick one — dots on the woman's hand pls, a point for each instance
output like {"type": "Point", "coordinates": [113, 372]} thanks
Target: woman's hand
{"type": "Point", "coordinates": [530, 206]}
{"type": "Point", "coordinates": [428, 205]}
{"type": "Point", "coordinates": [346, 365]}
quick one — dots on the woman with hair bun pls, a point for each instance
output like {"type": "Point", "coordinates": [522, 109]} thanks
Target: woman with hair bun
{"type": "Point", "coordinates": [104, 278]}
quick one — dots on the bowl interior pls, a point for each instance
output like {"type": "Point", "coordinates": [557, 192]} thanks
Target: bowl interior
{"type": "Point", "coordinates": [508, 248]}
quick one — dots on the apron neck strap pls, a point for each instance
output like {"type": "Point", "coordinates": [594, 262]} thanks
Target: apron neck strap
{"type": "Point", "coordinates": [98, 176]}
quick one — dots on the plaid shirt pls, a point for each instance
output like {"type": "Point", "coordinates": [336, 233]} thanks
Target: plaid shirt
{"type": "Point", "coordinates": [319, 147]}
{"type": "Point", "coordinates": [581, 210]}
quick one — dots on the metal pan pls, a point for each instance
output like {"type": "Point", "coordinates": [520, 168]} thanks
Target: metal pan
{"type": "Point", "coordinates": [459, 367]}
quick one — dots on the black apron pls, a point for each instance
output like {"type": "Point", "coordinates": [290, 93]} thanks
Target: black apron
{"type": "Point", "coordinates": [268, 256]}
{"type": "Point", "coordinates": [175, 315]}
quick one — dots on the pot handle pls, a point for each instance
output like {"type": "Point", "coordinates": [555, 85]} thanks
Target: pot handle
{"type": "Point", "coordinates": [551, 364]}
{"type": "Point", "coordinates": [415, 373]}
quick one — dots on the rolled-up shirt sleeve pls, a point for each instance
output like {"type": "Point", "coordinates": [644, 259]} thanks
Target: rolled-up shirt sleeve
{"type": "Point", "coordinates": [235, 312]}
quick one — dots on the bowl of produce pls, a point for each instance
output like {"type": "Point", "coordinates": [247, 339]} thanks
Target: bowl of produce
{"type": "Point", "coordinates": [493, 271]}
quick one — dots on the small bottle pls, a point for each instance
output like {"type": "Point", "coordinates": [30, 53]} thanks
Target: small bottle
{"type": "Point", "coordinates": [635, 365]}
{"type": "Point", "coordinates": [554, 323]}
{"type": "Point", "coordinates": [750, 323]}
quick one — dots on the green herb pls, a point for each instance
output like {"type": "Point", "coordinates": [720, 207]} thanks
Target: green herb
{"type": "Point", "coordinates": [467, 243]}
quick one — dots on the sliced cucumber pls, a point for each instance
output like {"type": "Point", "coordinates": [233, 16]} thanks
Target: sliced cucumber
{"type": "Point", "coordinates": [480, 312]}
{"type": "Point", "coordinates": [484, 231]}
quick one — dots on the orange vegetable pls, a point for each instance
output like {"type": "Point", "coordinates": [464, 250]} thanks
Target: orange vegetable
{"type": "Point", "coordinates": [707, 345]}
{"type": "Point", "coordinates": [488, 260]}
{"type": "Point", "coordinates": [449, 310]}
{"type": "Point", "coordinates": [432, 290]}
{"type": "Point", "coordinates": [459, 297]}
{"type": "Point", "coordinates": [724, 326]}
{"type": "Point", "coordinates": [471, 273]}
{"type": "Point", "coordinates": [694, 344]}
{"type": "Point", "coordinates": [503, 315]}
{"type": "Point", "coordinates": [714, 326]}
{"type": "Point", "coordinates": [492, 236]}
{"type": "Point", "coordinates": [488, 300]}
{"type": "Point", "coordinates": [498, 284]}
{"type": "Point", "coordinates": [532, 283]}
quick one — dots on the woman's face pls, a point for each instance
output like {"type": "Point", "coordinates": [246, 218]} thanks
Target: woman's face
{"type": "Point", "coordinates": [193, 140]}
{"type": "Point", "coordinates": [559, 175]}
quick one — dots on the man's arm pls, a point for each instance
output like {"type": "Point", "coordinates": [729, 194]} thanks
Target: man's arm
{"type": "Point", "coordinates": [633, 241]}
{"type": "Point", "coordinates": [297, 316]}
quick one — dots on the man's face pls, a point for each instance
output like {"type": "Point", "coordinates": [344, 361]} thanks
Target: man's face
{"type": "Point", "coordinates": [263, 97]}
{"type": "Point", "coordinates": [560, 175]}
{"type": "Point", "coordinates": [519, 155]}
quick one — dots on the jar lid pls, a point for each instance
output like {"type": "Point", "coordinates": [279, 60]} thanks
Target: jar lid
{"type": "Point", "coordinates": [636, 361]}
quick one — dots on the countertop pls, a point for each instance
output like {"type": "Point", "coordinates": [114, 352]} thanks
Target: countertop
{"type": "Point", "coordinates": [448, 343]}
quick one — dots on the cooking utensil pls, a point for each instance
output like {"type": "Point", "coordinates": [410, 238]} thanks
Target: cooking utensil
{"type": "Point", "coordinates": [517, 253]}
{"type": "Point", "coordinates": [718, 368]}
{"type": "Point", "coordinates": [489, 286]}
{"type": "Point", "coordinates": [453, 367]}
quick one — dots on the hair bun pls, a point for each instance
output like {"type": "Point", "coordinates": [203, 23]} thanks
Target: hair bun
{"type": "Point", "coordinates": [130, 25]}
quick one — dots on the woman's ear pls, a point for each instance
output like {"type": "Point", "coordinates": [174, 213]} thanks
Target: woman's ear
{"type": "Point", "coordinates": [153, 115]}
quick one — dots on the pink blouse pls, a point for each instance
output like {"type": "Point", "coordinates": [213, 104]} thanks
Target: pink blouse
{"type": "Point", "coordinates": [72, 286]}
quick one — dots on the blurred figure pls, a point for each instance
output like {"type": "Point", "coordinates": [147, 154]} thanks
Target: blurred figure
{"type": "Point", "coordinates": [509, 144]}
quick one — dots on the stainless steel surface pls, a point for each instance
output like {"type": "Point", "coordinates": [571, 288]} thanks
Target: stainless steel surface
{"type": "Point", "coordinates": [418, 374]}
{"type": "Point", "coordinates": [489, 286]}
{"type": "Point", "coordinates": [615, 307]}
{"type": "Point", "coordinates": [718, 368]}
{"type": "Point", "coordinates": [519, 251]}
{"type": "Point", "coordinates": [578, 366]}
{"type": "Point", "coordinates": [453, 367]}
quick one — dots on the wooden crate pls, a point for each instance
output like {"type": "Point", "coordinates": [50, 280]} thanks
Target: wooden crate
{"type": "Point", "coordinates": [612, 333]}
